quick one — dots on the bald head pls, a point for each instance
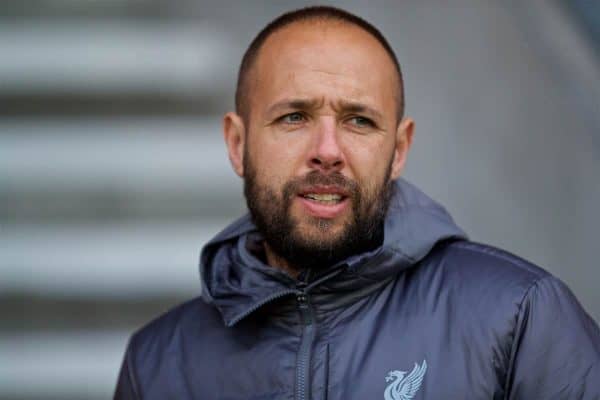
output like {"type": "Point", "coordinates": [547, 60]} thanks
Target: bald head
{"type": "Point", "coordinates": [322, 17]}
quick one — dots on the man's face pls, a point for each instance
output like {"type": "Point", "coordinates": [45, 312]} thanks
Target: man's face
{"type": "Point", "coordinates": [321, 142]}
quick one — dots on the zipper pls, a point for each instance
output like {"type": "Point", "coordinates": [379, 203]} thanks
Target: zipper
{"type": "Point", "coordinates": [304, 353]}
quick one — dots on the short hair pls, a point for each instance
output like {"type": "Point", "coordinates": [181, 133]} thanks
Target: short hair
{"type": "Point", "coordinates": [314, 13]}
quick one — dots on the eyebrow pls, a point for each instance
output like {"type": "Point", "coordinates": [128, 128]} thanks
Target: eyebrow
{"type": "Point", "coordinates": [295, 104]}
{"type": "Point", "coordinates": [356, 107]}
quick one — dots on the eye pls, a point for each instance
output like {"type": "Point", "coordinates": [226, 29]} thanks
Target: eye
{"type": "Point", "coordinates": [362, 122]}
{"type": "Point", "coordinates": [292, 118]}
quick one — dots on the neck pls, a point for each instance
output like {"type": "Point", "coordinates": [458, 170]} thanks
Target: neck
{"type": "Point", "coordinates": [278, 262]}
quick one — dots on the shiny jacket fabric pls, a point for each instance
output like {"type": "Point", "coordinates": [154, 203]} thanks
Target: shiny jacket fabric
{"type": "Point", "coordinates": [428, 315]}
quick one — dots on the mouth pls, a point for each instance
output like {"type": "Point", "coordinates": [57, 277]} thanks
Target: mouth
{"type": "Point", "coordinates": [324, 202]}
{"type": "Point", "coordinates": [323, 198]}
{"type": "Point", "coordinates": [324, 194]}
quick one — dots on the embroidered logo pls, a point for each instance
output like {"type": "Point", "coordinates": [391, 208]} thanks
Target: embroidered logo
{"type": "Point", "coordinates": [402, 386]}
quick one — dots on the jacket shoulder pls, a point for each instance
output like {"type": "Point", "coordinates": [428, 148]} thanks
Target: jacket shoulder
{"type": "Point", "coordinates": [476, 263]}
{"type": "Point", "coordinates": [484, 282]}
{"type": "Point", "coordinates": [497, 300]}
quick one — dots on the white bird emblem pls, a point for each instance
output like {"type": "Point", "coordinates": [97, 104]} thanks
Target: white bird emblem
{"type": "Point", "coordinates": [404, 387]}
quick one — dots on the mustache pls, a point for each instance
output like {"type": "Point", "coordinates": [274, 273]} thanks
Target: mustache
{"type": "Point", "coordinates": [316, 178]}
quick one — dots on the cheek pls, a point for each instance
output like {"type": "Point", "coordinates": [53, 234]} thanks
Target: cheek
{"type": "Point", "coordinates": [368, 160]}
{"type": "Point", "coordinates": [270, 168]}
{"type": "Point", "coordinates": [279, 155]}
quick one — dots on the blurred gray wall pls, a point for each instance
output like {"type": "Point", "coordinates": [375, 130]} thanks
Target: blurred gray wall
{"type": "Point", "coordinates": [113, 172]}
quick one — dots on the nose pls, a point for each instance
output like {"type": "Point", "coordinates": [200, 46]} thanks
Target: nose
{"type": "Point", "coordinates": [326, 154]}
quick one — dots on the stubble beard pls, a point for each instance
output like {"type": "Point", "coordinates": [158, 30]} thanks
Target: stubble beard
{"type": "Point", "coordinates": [271, 213]}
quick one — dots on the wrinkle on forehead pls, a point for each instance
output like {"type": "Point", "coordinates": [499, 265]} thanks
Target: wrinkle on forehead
{"type": "Point", "coordinates": [332, 87]}
{"type": "Point", "coordinates": [325, 72]}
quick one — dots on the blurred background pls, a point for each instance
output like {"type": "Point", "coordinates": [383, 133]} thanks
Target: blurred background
{"type": "Point", "coordinates": [113, 172]}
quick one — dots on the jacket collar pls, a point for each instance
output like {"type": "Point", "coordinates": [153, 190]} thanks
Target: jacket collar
{"type": "Point", "coordinates": [238, 283]}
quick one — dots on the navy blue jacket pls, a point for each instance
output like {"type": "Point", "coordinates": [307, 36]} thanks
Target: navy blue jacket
{"type": "Point", "coordinates": [428, 315]}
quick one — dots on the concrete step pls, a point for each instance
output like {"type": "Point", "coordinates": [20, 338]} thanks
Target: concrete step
{"type": "Point", "coordinates": [134, 155]}
{"type": "Point", "coordinates": [113, 260]}
{"type": "Point", "coordinates": [116, 55]}
{"type": "Point", "coordinates": [66, 365]}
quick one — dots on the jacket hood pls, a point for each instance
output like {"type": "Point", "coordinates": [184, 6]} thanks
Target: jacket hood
{"type": "Point", "coordinates": [238, 283]}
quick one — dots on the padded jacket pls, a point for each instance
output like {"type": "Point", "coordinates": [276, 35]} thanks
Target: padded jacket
{"type": "Point", "coordinates": [427, 315]}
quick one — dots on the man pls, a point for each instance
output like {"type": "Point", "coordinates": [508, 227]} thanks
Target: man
{"type": "Point", "coordinates": [346, 282]}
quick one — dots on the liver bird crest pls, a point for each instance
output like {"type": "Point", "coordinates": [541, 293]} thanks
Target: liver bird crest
{"type": "Point", "coordinates": [402, 386]}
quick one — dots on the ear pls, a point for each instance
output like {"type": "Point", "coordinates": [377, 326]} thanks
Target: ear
{"type": "Point", "coordinates": [404, 136]}
{"type": "Point", "coordinates": [234, 133]}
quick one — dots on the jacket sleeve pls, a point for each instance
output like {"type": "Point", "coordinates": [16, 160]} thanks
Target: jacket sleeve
{"type": "Point", "coordinates": [556, 347]}
{"type": "Point", "coordinates": [125, 389]}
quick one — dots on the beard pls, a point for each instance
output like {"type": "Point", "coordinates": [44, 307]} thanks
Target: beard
{"type": "Point", "coordinates": [271, 213]}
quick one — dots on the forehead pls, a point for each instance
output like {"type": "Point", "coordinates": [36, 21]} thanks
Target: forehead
{"type": "Point", "coordinates": [336, 57]}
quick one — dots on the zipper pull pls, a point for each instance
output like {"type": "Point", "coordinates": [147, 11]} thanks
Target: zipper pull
{"type": "Point", "coordinates": [304, 306]}
{"type": "Point", "coordinates": [302, 299]}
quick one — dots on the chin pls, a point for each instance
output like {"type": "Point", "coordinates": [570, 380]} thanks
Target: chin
{"type": "Point", "coordinates": [322, 231]}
